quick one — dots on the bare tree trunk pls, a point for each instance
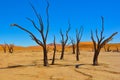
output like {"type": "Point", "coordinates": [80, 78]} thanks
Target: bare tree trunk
{"type": "Point", "coordinates": [62, 53]}
{"type": "Point", "coordinates": [45, 57]}
{"type": "Point", "coordinates": [4, 47]}
{"type": "Point", "coordinates": [107, 48]}
{"type": "Point", "coordinates": [4, 50]}
{"type": "Point", "coordinates": [53, 60]}
{"type": "Point", "coordinates": [117, 49]}
{"type": "Point", "coordinates": [95, 58]}
{"type": "Point", "coordinates": [77, 52]}
{"type": "Point", "coordinates": [73, 47]}
{"type": "Point", "coordinates": [10, 48]}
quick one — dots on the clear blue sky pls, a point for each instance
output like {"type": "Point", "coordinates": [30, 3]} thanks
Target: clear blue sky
{"type": "Point", "coordinates": [80, 12]}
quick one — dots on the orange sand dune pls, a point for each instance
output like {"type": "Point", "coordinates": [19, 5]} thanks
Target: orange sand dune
{"type": "Point", "coordinates": [84, 46]}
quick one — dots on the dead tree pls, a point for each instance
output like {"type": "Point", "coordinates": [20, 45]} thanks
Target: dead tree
{"type": "Point", "coordinates": [10, 48]}
{"type": "Point", "coordinates": [117, 49]}
{"type": "Point", "coordinates": [64, 41]}
{"type": "Point", "coordinates": [107, 48]}
{"type": "Point", "coordinates": [73, 45]}
{"type": "Point", "coordinates": [44, 35]}
{"type": "Point", "coordinates": [79, 34]}
{"type": "Point", "coordinates": [53, 60]}
{"type": "Point", "coordinates": [100, 43]}
{"type": "Point", "coordinates": [4, 47]}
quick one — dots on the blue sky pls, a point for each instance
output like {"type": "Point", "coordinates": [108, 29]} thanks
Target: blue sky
{"type": "Point", "coordinates": [86, 13]}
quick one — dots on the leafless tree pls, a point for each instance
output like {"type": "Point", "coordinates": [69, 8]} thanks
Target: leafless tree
{"type": "Point", "coordinates": [53, 60]}
{"type": "Point", "coordinates": [79, 34]}
{"type": "Point", "coordinates": [117, 49]}
{"type": "Point", "coordinates": [73, 45]}
{"type": "Point", "coordinates": [44, 35]}
{"type": "Point", "coordinates": [107, 48]}
{"type": "Point", "coordinates": [100, 43]}
{"type": "Point", "coordinates": [64, 41]}
{"type": "Point", "coordinates": [4, 46]}
{"type": "Point", "coordinates": [10, 48]}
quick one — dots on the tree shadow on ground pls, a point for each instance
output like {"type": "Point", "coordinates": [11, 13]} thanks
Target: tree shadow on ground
{"type": "Point", "coordinates": [78, 65]}
{"type": "Point", "coordinates": [69, 65]}
{"type": "Point", "coordinates": [17, 66]}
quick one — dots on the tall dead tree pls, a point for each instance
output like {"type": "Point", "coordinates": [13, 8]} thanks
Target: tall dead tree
{"type": "Point", "coordinates": [53, 60]}
{"type": "Point", "coordinates": [64, 41]}
{"type": "Point", "coordinates": [79, 34]}
{"type": "Point", "coordinates": [10, 48]}
{"type": "Point", "coordinates": [4, 47]}
{"type": "Point", "coordinates": [100, 43]}
{"type": "Point", "coordinates": [73, 45]}
{"type": "Point", "coordinates": [44, 35]}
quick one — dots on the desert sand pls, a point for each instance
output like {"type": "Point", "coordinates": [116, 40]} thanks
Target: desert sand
{"type": "Point", "coordinates": [26, 64]}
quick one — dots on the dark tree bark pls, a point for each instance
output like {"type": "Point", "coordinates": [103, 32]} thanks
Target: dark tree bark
{"type": "Point", "coordinates": [78, 38]}
{"type": "Point", "coordinates": [10, 48]}
{"type": "Point", "coordinates": [73, 45]}
{"type": "Point", "coordinates": [53, 60]}
{"type": "Point", "coordinates": [117, 49]}
{"type": "Point", "coordinates": [100, 43]}
{"type": "Point", "coordinates": [4, 47]}
{"type": "Point", "coordinates": [42, 42]}
{"type": "Point", "coordinates": [64, 42]}
{"type": "Point", "coordinates": [107, 48]}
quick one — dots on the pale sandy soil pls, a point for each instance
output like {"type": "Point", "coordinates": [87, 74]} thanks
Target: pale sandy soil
{"type": "Point", "coordinates": [28, 65]}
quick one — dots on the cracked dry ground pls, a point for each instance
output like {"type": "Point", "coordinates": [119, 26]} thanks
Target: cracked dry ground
{"type": "Point", "coordinates": [28, 65]}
